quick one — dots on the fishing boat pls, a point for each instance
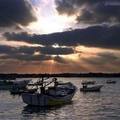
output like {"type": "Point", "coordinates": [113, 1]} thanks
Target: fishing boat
{"type": "Point", "coordinates": [90, 87]}
{"type": "Point", "coordinates": [50, 93]}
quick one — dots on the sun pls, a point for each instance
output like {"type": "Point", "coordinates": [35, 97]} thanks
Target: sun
{"type": "Point", "coordinates": [49, 24]}
{"type": "Point", "coordinates": [48, 19]}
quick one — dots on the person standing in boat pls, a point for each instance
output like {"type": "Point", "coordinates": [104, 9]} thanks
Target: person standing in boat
{"type": "Point", "coordinates": [55, 82]}
{"type": "Point", "coordinates": [42, 88]}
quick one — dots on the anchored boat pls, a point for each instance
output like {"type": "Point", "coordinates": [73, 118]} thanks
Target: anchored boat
{"type": "Point", "coordinates": [90, 86]}
{"type": "Point", "coordinates": [110, 81]}
{"type": "Point", "coordinates": [50, 93]}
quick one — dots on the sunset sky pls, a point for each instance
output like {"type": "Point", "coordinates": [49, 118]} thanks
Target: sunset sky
{"type": "Point", "coordinates": [55, 36]}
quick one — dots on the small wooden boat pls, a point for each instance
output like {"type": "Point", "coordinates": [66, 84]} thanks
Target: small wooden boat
{"type": "Point", "coordinates": [90, 86]}
{"type": "Point", "coordinates": [94, 88]}
{"type": "Point", "coordinates": [110, 81]}
{"type": "Point", "coordinates": [88, 83]}
{"type": "Point", "coordinates": [48, 95]}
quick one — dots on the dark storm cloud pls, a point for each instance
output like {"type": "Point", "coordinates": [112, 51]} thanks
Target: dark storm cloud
{"type": "Point", "coordinates": [37, 58]}
{"type": "Point", "coordinates": [7, 50]}
{"type": "Point", "coordinates": [46, 50]}
{"type": "Point", "coordinates": [13, 12]}
{"type": "Point", "coordinates": [66, 6]}
{"type": "Point", "coordinates": [31, 50]}
{"type": "Point", "coordinates": [56, 51]}
{"type": "Point", "coordinates": [27, 53]}
{"type": "Point", "coordinates": [91, 11]}
{"type": "Point", "coordinates": [27, 57]}
{"type": "Point", "coordinates": [23, 53]}
{"type": "Point", "coordinates": [96, 36]}
{"type": "Point", "coordinates": [13, 50]}
{"type": "Point", "coordinates": [60, 60]}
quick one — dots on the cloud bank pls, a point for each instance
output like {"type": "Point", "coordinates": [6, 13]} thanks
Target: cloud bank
{"type": "Point", "coordinates": [91, 11]}
{"type": "Point", "coordinates": [95, 36]}
{"type": "Point", "coordinates": [15, 12]}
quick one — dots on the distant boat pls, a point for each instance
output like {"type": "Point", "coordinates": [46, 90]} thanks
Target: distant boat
{"type": "Point", "coordinates": [90, 86]}
{"type": "Point", "coordinates": [110, 81]}
{"type": "Point", "coordinates": [19, 87]}
{"type": "Point", "coordinates": [50, 93]}
{"type": "Point", "coordinates": [6, 84]}
{"type": "Point", "coordinates": [88, 82]}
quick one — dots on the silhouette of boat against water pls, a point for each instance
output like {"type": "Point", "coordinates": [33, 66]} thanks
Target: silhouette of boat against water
{"type": "Point", "coordinates": [90, 86]}
{"type": "Point", "coordinates": [50, 93]}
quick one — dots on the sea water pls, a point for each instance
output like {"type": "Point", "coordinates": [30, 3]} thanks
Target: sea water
{"type": "Point", "coordinates": [104, 105]}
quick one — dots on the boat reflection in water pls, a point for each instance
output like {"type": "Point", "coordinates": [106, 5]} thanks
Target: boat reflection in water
{"type": "Point", "coordinates": [30, 109]}
{"type": "Point", "coordinates": [50, 93]}
{"type": "Point", "coordinates": [36, 109]}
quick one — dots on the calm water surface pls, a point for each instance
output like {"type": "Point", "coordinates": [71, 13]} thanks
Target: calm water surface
{"type": "Point", "coordinates": [104, 105]}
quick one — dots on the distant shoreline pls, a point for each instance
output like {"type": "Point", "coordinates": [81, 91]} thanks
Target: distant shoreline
{"type": "Point", "coordinates": [16, 75]}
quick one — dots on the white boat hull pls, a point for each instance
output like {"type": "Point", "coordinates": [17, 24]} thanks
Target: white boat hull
{"type": "Point", "coordinates": [95, 88]}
